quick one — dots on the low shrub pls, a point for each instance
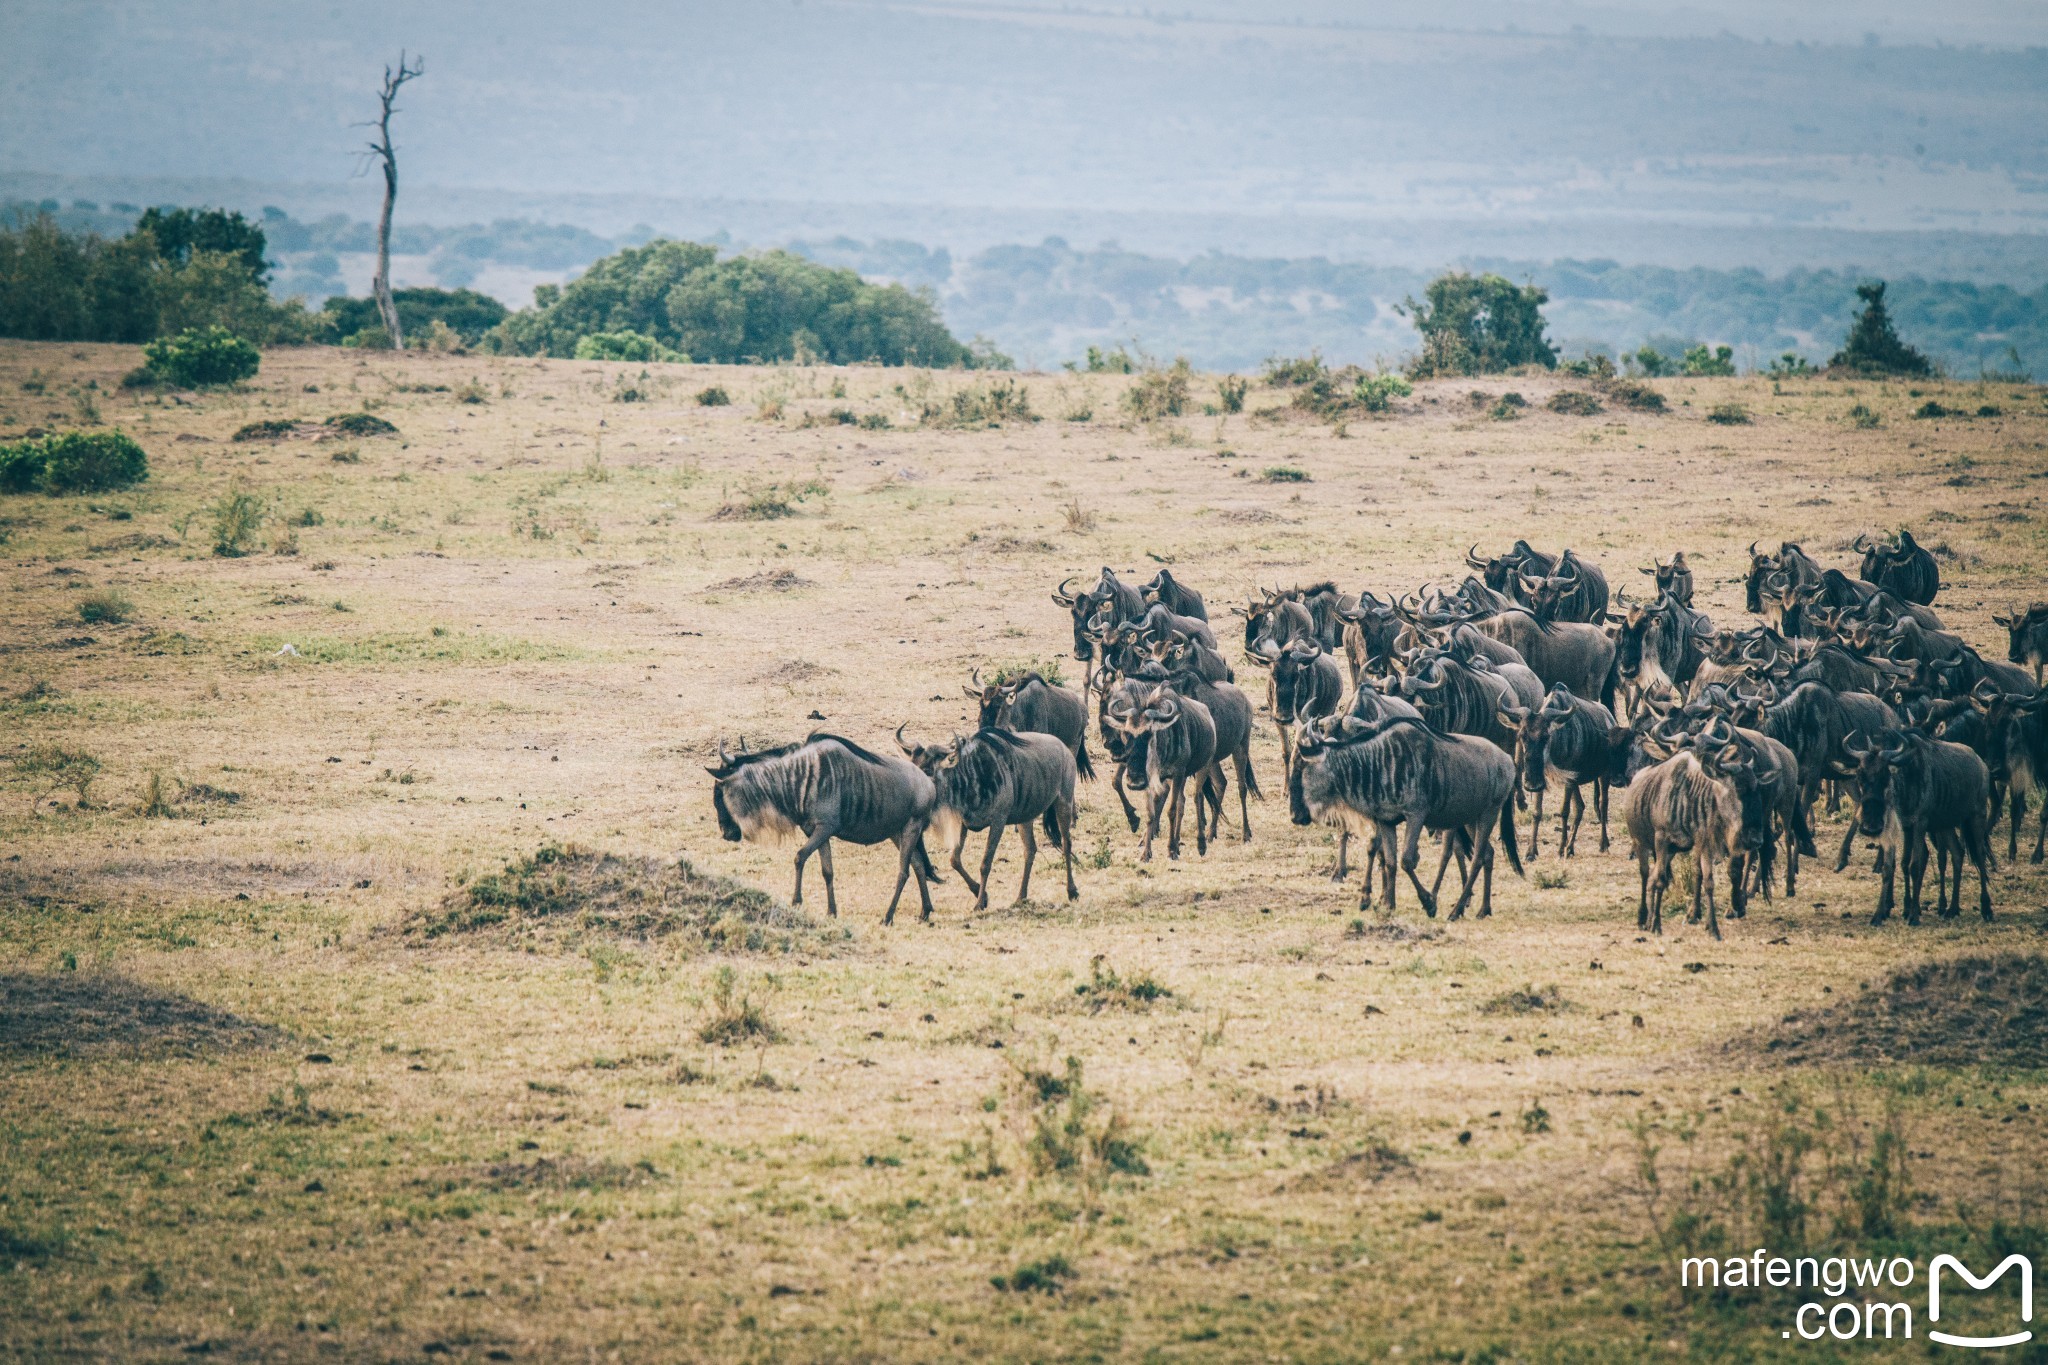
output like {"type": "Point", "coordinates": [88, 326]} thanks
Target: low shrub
{"type": "Point", "coordinates": [1377, 392]}
{"type": "Point", "coordinates": [1230, 392]}
{"type": "Point", "coordinates": [74, 462]}
{"type": "Point", "coordinates": [713, 397]}
{"type": "Point", "coordinates": [1282, 373]}
{"type": "Point", "coordinates": [196, 358]}
{"type": "Point", "coordinates": [360, 424]}
{"type": "Point", "coordinates": [1863, 416]}
{"type": "Point", "coordinates": [735, 1016]}
{"type": "Point", "coordinates": [236, 518]}
{"type": "Point", "coordinates": [1043, 1276]}
{"type": "Point", "coordinates": [270, 429]}
{"type": "Point", "coordinates": [624, 345]}
{"type": "Point", "coordinates": [1932, 409]}
{"type": "Point", "coordinates": [1632, 393]}
{"type": "Point", "coordinates": [1284, 473]}
{"type": "Point", "coordinates": [60, 768]}
{"type": "Point", "coordinates": [1159, 393]}
{"type": "Point", "coordinates": [104, 608]}
{"type": "Point", "coordinates": [1729, 415]}
{"type": "Point", "coordinates": [1574, 403]}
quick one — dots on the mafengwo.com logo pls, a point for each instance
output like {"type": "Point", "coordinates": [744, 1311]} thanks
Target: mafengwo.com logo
{"type": "Point", "coordinates": [1884, 1299]}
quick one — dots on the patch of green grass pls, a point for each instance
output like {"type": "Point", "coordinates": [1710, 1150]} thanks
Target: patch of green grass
{"type": "Point", "coordinates": [1045, 1276]}
{"type": "Point", "coordinates": [104, 608]}
{"type": "Point", "coordinates": [394, 648]}
{"type": "Point", "coordinates": [1284, 473]}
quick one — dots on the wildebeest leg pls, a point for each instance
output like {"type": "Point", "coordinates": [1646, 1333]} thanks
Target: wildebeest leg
{"type": "Point", "coordinates": [1343, 849]}
{"type": "Point", "coordinates": [1411, 858]}
{"type": "Point", "coordinates": [1243, 763]}
{"type": "Point", "coordinates": [1481, 835]}
{"type": "Point", "coordinates": [1155, 801]}
{"type": "Point", "coordinates": [906, 859]}
{"type": "Point", "coordinates": [1383, 849]}
{"type": "Point", "coordinates": [1848, 842]}
{"type": "Point", "coordinates": [1601, 790]}
{"type": "Point", "coordinates": [1116, 784]}
{"type": "Point", "coordinates": [1979, 841]}
{"type": "Point", "coordinates": [1179, 807]}
{"type": "Point", "coordinates": [2016, 797]}
{"type": "Point", "coordinates": [988, 860]}
{"type": "Point", "coordinates": [1659, 886]}
{"type": "Point", "coordinates": [2040, 831]}
{"type": "Point", "coordinates": [825, 861]}
{"type": "Point", "coordinates": [1887, 867]}
{"type": "Point", "coordinates": [1210, 793]}
{"type": "Point", "coordinates": [1642, 888]}
{"type": "Point", "coordinates": [1030, 856]}
{"type": "Point", "coordinates": [1703, 889]}
{"type": "Point", "coordinates": [959, 844]}
{"type": "Point", "coordinates": [1536, 828]}
{"type": "Point", "coordinates": [803, 855]}
{"type": "Point", "coordinates": [1066, 814]}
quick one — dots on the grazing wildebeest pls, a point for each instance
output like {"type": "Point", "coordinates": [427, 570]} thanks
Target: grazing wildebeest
{"type": "Point", "coordinates": [1175, 596]}
{"type": "Point", "coordinates": [1172, 739]}
{"type": "Point", "coordinates": [1307, 684]}
{"type": "Point", "coordinates": [1674, 580]}
{"type": "Point", "coordinates": [1697, 801]}
{"type": "Point", "coordinates": [1121, 601]}
{"type": "Point", "coordinates": [828, 788]}
{"type": "Point", "coordinates": [1570, 740]}
{"type": "Point", "coordinates": [2028, 634]}
{"type": "Point", "coordinates": [993, 779]}
{"type": "Point", "coordinates": [1029, 704]}
{"type": "Point", "coordinates": [1904, 568]}
{"type": "Point", "coordinates": [1404, 771]}
{"type": "Point", "coordinates": [1910, 787]}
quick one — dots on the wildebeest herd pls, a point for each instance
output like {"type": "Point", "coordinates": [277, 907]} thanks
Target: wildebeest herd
{"type": "Point", "coordinates": [1451, 713]}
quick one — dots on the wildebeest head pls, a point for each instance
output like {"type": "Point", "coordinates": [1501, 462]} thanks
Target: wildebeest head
{"type": "Point", "coordinates": [1761, 567]}
{"type": "Point", "coordinates": [1503, 573]}
{"type": "Point", "coordinates": [931, 759]}
{"type": "Point", "coordinates": [2027, 634]}
{"type": "Point", "coordinates": [1875, 762]}
{"type": "Point", "coordinates": [1293, 673]}
{"type": "Point", "coordinates": [1674, 580]}
{"type": "Point", "coordinates": [723, 771]}
{"type": "Point", "coordinates": [1532, 730]}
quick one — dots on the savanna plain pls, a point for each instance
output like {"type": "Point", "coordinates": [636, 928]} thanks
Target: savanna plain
{"type": "Point", "coordinates": [386, 991]}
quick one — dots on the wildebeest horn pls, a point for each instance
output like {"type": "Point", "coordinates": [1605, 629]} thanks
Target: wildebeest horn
{"type": "Point", "coordinates": [903, 743]}
{"type": "Point", "coordinates": [1061, 595]}
{"type": "Point", "coordinates": [1855, 745]}
{"type": "Point", "coordinates": [1558, 703]}
{"type": "Point", "coordinates": [1717, 733]}
{"type": "Point", "coordinates": [1472, 557]}
{"type": "Point", "coordinates": [1862, 544]}
{"type": "Point", "coordinates": [1752, 549]}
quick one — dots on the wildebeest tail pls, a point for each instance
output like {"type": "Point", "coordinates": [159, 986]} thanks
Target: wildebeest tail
{"type": "Point", "coordinates": [1251, 779]}
{"type": "Point", "coordinates": [1083, 768]}
{"type": "Point", "coordinates": [1050, 819]}
{"type": "Point", "coordinates": [1507, 837]}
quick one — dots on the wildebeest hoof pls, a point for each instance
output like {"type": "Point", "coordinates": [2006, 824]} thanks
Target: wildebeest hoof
{"type": "Point", "coordinates": [2036, 858]}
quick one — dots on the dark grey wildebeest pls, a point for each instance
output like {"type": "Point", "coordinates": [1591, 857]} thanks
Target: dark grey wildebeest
{"type": "Point", "coordinates": [1903, 568]}
{"type": "Point", "coordinates": [2028, 637]}
{"type": "Point", "coordinates": [1705, 803]}
{"type": "Point", "coordinates": [1030, 705]}
{"type": "Point", "coordinates": [1110, 595]}
{"type": "Point", "coordinates": [1910, 788]}
{"type": "Point", "coordinates": [993, 779]}
{"type": "Point", "coordinates": [1404, 771]}
{"type": "Point", "coordinates": [1578, 655]}
{"type": "Point", "coordinates": [1176, 596]}
{"type": "Point", "coordinates": [1308, 683]}
{"type": "Point", "coordinates": [1674, 580]}
{"type": "Point", "coordinates": [1572, 741]}
{"type": "Point", "coordinates": [1172, 740]}
{"type": "Point", "coordinates": [827, 788]}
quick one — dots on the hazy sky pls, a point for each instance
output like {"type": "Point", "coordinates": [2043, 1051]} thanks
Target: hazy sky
{"type": "Point", "coordinates": [1873, 115]}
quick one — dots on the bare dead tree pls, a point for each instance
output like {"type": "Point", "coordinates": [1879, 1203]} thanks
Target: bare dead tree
{"type": "Point", "coordinates": [382, 152]}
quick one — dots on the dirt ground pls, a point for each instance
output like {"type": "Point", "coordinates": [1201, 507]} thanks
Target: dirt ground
{"type": "Point", "coordinates": [272, 1087]}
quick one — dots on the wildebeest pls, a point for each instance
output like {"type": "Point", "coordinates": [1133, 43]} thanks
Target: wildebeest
{"type": "Point", "coordinates": [1459, 699]}
{"type": "Point", "coordinates": [1503, 573]}
{"type": "Point", "coordinates": [1177, 653]}
{"type": "Point", "coordinates": [1178, 598]}
{"type": "Point", "coordinates": [2028, 637]}
{"type": "Point", "coordinates": [1911, 787]}
{"type": "Point", "coordinates": [1574, 741]}
{"type": "Point", "coordinates": [1307, 684]}
{"type": "Point", "coordinates": [1171, 739]}
{"type": "Point", "coordinates": [1674, 580]}
{"type": "Point", "coordinates": [1278, 619]}
{"type": "Point", "coordinates": [1371, 628]}
{"type": "Point", "coordinates": [828, 788]}
{"type": "Point", "coordinates": [993, 779]}
{"type": "Point", "coordinates": [1574, 591]}
{"type": "Point", "coordinates": [1230, 711]}
{"type": "Point", "coordinates": [1578, 655]}
{"type": "Point", "coordinates": [1903, 568]}
{"type": "Point", "coordinates": [1796, 567]}
{"type": "Point", "coordinates": [1121, 601]}
{"type": "Point", "coordinates": [1695, 801]}
{"type": "Point", "coordinates": [1808, 720]}
{"type": "Point", "coordinates": [1029, 704]}
{"type": "Point", "coordinates": [2015, 725]}
{"type": "Point", "coordinates": [1404, 771]}
{"type": "Point", "coordinates": [1662, 644]}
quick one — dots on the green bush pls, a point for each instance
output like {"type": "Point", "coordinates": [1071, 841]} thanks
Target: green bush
{"type": "Point", "coordinates": [1159, 393]}
{"type": "Point", "coordinates": [623, 345]}
{"type": "Point", "coordinates": [236, 519]}
{"type": "Point", "coordinates": [74, 462]}
{"type": "Point", "coordinates": [1377, 392]}
{"type": "Point", "coordinates": [104, 608]}
{"type": "Point", "coordinates": [360, 424]}
{"type": "Point", "coordinates": [199, 359]}
{"type": "Point", "coordinates": [1230, 392]}
{"type": "Point", "coordinates": [1118, 361]}
{"type": "Point", "coordinates": [713, 397]}
{"type": "Point", "coordinates": [464, 311]}
{"type": "Point", "coordinates": [1654, 363]}
{"type": "Point", "coordinates": [1863, 416]}
{"type": "Point", "coordinates": [767, 307]}
{"type": "Point", "coordinates": [1729, 415]}
{"type": "Point", "coordinates": [1480, 324]}
{"type": "Point", "coordinates": [1574, 403]}
{"type": "Point", "coordinates": [1701, 361]}
{"type": "Point", "coordinates": [1282, 373]}
{"type": "Point", "coordinates": [1872, 346]}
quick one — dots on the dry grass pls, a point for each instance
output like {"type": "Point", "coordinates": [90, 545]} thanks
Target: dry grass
{"type": "Point", "coordinates": [516, 1141]}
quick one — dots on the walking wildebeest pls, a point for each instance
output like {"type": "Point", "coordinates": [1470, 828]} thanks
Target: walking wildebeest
{"type": "Point", "coordinates": [1171, 739]}
{"type": "Point", "coordinates": [1574, 741]}
{"type": "Point", "coordinates": [1910, 787]}
{"type": "Point", "coordinates": [828, 788]}
{"type": "Point", "coordinates": [993, 779]}
{"type": "Point", "coordinates": [1031, 705]}
{"type": "Point", "coordinates": [1404, 771]}
{"type": "Point", "coordinates": [1122, 601]}
{"type": "Point", "coordinates": [1696, 801]}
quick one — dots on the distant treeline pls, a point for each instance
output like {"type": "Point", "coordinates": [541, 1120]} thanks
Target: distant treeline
{"type": "Point", "coordinates": [1050, 302]}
